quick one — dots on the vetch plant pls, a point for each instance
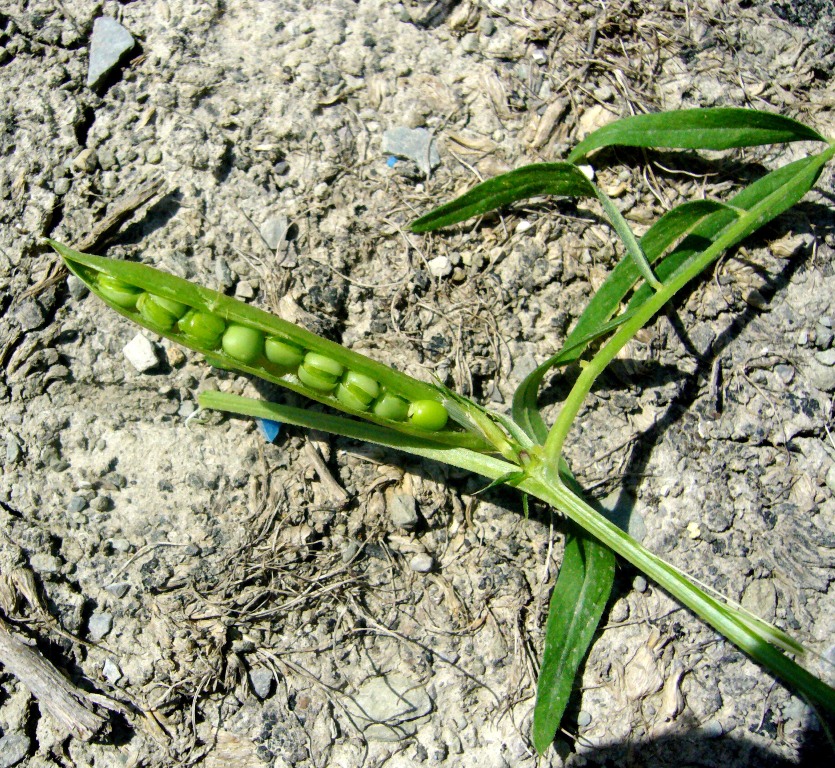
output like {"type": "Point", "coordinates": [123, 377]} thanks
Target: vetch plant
{"type": "Point", "coordinates": [519, 449]}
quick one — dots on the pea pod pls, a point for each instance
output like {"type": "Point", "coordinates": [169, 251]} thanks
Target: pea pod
{"type": "Point", "coordinates": [235, 335]}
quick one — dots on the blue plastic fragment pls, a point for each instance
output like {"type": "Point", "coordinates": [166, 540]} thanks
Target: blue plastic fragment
{"type": "Point", "coordinates": [269, 429]}
{"type": "Point", "coordinates": [391, 161]}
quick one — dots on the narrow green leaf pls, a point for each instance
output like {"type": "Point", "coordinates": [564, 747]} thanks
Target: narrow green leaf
{"type": "Point", "coordinates": [736, 627]}
{"type": "Point", "coordinates": [529, 181]}
{"type": "Point", "coordinates": [756, 205]}
{"type": "Point", "coordinates": [511, 479]}
{"type": "Point", "coordinates": [595, 322]}
{"type": "Point", "coordinates": [721, 128]}
{"type": "Point", "coordinates": [577, 603]}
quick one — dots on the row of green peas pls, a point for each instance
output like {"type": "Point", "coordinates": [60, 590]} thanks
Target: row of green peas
{"type": "Point", "coordinates": [321, 373]}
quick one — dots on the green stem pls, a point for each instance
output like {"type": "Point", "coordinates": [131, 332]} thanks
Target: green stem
{"type": "Point", "coordinates": [733, 233]}
{"type": "Point", "coordinates": [745, 634]}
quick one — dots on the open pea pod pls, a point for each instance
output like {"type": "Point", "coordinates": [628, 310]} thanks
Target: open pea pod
{"type": "Point", "coordinates": [237, 336]}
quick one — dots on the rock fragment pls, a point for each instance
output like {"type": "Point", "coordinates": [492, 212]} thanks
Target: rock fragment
{"type": "Point", "coordinates": [140, 353]}
{"type": "Point", "coordinates": [389, 707]}
{"type": "Point", "coordinates": [14, 747]}
{"type": "Point", "coordinates": [110, 41]}
{"type": "Point", "coordinates": [99, 625]}
{"type": "Point", "coordinates": [415, 144]}
{"type": "Point", "coordinates": [421, 563]}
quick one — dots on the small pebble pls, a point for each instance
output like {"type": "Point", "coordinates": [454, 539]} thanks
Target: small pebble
{"type": "Point", "coordinates": [639, 584]}
{"type": "Point", "coordinates": [110, 41]}
{"type": "Point", "coordinates": [43, 562]}
{"type": "Point", "coordinates": [62, 186]}
{"type": "Point", "coordinates": [118, 589]}
{"type": "Point", "coordinates": [274, 230]}
{"type": "Point", "coordinates": [120, 545]}
{"type": "Point", "coordinates": [261, 680]}
{"type": "Point", "coordinates": [153, 155]}
{"type": "Point", "coordinates": [175, 356]}
{"type": "Point", "coordinates": [349, 551]}
{"type": "Point", "coordinates": [416, 144]}
{"type": "Point", "coordinates": [523, 226]}
{"type": "Point", "coordinates": [101, 504]}
{"type": "Point", "coordinates": [784, 372]}
{"type": "Point", "coordinates": [244, 290]}
{"type": "Point", "coordinates": [712, 729]}
{"type": "Point", "coordinates": [440, 266]}
{"type": "Point", "coordinates": [402, 510]}
{"type": "Point", "coordinates": [140, 353]}
{"type": "Point", "coordinates": [583, 718]}
{"type": "Point", "coordinates": [827, 357]}
{"type": "Point", "coordinates": [14, 747]}
{"type": "Point", "coordinates": [421, 563]}
{"type": "Point", "coordinates": [99, 626]}
{"type": "Point", "coordinates": [78, 290]}
{"type": "Point", "coordinates": [86, 160]}
{"type": "Point", "coordinates": [76, 504]}
{"type": "Point", "coordinates": [111, 671]}
{"type": "Point", "coordinates": [107, 159]}
{"type": "Point", "coordinates": [486, 26]}
{"type": "Point", "coordinates": [469, 43]}
{"type": "Point", "coordinates": [13, 452]}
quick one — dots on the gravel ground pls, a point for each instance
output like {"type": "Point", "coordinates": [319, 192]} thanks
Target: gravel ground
{"type": "Point", "coordinates": [228, 602]}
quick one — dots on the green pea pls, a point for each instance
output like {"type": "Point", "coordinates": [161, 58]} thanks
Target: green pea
{"type": "Point", "coordinates": [391, 407]}
{"type": "Point", "coordinates": [118, 292]}
{"type": "Point", "coordinates": [243, 343]}
{"type": "Point", "coordinates": [203, 328]}
{"type": "Point", "coordinates": [361, 386]}
{"type": "Point", "coordinates": [160, 311]}
{"type": "Point", "coordinates": [349, 399]}
{"type": "Point", "coordinates": [283, 353]}
{"type": "Point", "coordinates": [428, 414]}
{"type": "Point", "coordinates": [319, 372]}
{"type": "Point", "coordinates": [356, 390]}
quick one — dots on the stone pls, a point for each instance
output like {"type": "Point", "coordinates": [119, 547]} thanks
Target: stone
{"type": "Point", "coordinates": [440, 266]}
{"type": "Point", "coordinates": [261, 680]}
{"type": "Point", "coordinates": [43, 562]}
{"type": "Point", "coordinates": [415, 144]}
{"type": "Point", "coordinates": [76, 504]}
{"type": "Point", "coordinates": [421, 563]}
{"type": "Point", "coordinates": [14, 747]}
{"type": "Point", "coordinates": [402, 509]}
{"type": "Point", "coordinates": [110, 41]}
{"type": "Point", "coordinates": [274, 230]}
{"type": "Point", "coordinates": [86, 160]}
{"type": "Point", "coordinates": [118, 589]}
{"type": "Point", "coordinates": [99, 626]}
{"type": "Point", "coordinates": [389, 707]}
{"type": "Point", "coordinates": [141, 354]}
{"type": "Point", "coordinates": [78, 289]}
{"type": "Point", "coordinates": [111, 672]}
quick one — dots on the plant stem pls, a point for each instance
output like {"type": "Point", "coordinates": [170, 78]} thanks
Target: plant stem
{"type": "Point", "coordinates": [547, 487]}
